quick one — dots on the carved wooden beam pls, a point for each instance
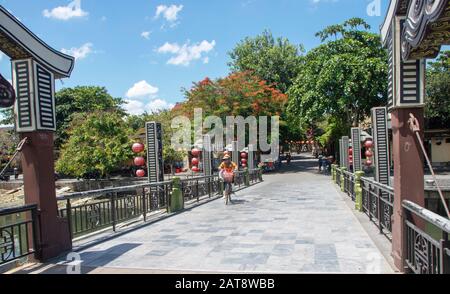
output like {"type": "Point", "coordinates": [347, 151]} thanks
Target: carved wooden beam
{"type": "Point", "coordinates": [426, 29]}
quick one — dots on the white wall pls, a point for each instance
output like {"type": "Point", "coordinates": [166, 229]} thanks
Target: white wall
{"type": "Point", "coordinates": [440, 153]}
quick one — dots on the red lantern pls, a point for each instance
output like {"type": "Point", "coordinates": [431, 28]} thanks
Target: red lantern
{"type": "Point", "coordinates": [303, 142]}
{"type": "Point", "coordinates": [369, 154]}
{"type": "Point", "coordinates": [138, 147]}
{"type": "Point", "coordinates": [369, 162]}
{"type": "Point", "coordinates": [368, 144]}
{"type": "Point", "coordinates": [195, 152]}
{"type": "Point", "coordinates": [140, 173]}
{"type": "Point", "coordinates": [243, 155]}
{"type": "Point", "coordinates": [350, 158]}
{"type": "Point", "coordinates": [244, 161]}
{"type": "Point", "coordinates": [195, 162]}
{"type": "Point", "coordinates": [195, 169]}
{"type": "Point", "coordinates": [244, 165]}
{"type": "Point", "coordinates": [139, 161]}
{"type": "Point", "coordinates": [350, 151]}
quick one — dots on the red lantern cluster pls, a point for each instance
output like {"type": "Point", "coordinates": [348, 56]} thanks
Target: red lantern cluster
{"type": "Point", "coordinates": [369, 152]}
{"type": "Point", "coordinates": [244, 161]}
{"type": "Point", "coordinates": [195, 161]}
{"type": "Point", "coordinates": [139, 161]}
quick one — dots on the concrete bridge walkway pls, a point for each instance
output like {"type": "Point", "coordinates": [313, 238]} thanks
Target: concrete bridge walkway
{"type": "Point", "coordinates": [295, 222]}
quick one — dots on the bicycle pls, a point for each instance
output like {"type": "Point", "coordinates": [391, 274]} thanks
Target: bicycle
{"type": "Point", "coordinates": [228, 186]}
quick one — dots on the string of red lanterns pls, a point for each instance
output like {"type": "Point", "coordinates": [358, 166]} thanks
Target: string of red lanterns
{"type": "Point", "coordinates": [369, 154]}
{"type": "Point", "coordinates": [244, 161]}
{"type": "Point", "coordinates": [195, 161]}
{"type": "Point", "coordinates": [139, 161]}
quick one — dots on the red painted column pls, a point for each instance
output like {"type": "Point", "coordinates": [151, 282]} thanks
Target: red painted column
{"type": "Point", "coordinates": [39, 188]}
{"type": "Point", "coordinates": [408, 175]}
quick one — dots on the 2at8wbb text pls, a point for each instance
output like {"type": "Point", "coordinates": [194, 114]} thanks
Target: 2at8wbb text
{"type": "Point", "coordinates": [247, 284]}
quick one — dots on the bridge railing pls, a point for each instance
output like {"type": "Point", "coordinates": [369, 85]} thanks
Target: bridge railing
{"type": "Point", "coordinates": [92, 211]}
{"type": "Point", "coordinates": [18, 233]}
{"type": "Point", "coordinates": [378, 204]}
{"type": "Point", "coordinates": [426, 254]}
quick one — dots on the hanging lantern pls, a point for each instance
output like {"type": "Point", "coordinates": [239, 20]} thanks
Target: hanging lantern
{"type": "Point", "coordinates": [368, 144]}
{"type": "Point", "coordinates": [350, 158]}
{"type": "Point", "coordinates": [243, 155]}
{"type": "Point", "coordinates": [369, 162]}
{"type": "Point", "coordinates": [369, 154]}
{"type": "Point", "coordinates": [140, 173]}
{"type": "Point", "coordinates": [195, 162]}
{"type": "Point", "coordinates": [195, 152]}
{"type": "Point", "coordinates": [350, 151]}
{"type": "Point", "coordinates": [138, 147]}
{"type": "Point", "coordinates": [244, 161]}
{"type": "Point", "coordinates": [244, 165]}
{"type": "Point", "coordinates": [303, 142]}
{"type": "Point", "coordinates": [139, 161]}
{"type": "Point", "coordinates": [195, 169]}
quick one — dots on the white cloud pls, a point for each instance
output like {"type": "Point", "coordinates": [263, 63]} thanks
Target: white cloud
{"type": "Point", "coordinates": [136, 107]}
{"type": "Point", "coordinates": [79, 53]}
{"type": "Point", "coordinates": [72, 10]}
{"type": "Point", "coordinates": [170, 13]}
{"type": "Point", "coordinates": [187, 53]}
{"type": "Point", "coordinates": [142, 89]}
{"type": "Point", "coordinates": [146, 35]}
{"type": "Point", "coordinates": [158, 104]}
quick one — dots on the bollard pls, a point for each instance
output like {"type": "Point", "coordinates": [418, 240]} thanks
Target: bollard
{"type": "Point", "coordinates": [176, 203]}
{"type": "Point", "coordinates": [344, 169]}
{"type": "Point", "coordinates": [358, 191]}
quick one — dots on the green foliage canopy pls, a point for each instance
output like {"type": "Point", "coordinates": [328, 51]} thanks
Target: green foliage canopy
{"type": "Point", "coordinates": [341, 79]}
{"type": "Point", "coordinates": [438, 91]}
{"type": "Point", "coordinates": [99, 143]}
{"type": "Point", "coordinates": [276, 61]}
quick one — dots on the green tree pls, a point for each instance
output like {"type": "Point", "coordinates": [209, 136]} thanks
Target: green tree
{"type": "Point", "coordinates": [438, 91]}
{"type": "Point", "coordinates": [276, 61]}
{"type": "Point", "coordinates": [99, 143]}
{"type": "Point", "coordinates": [341, 79]}
{"type": "Point", "coordinates": [81, 99]}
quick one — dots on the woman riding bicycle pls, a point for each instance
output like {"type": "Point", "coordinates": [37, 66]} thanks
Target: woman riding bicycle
{"type": "Point", "coordinates": [227, 169]}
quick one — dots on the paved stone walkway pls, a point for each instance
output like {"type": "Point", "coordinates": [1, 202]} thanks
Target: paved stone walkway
{"type": "Point", "coordinates": [294, 222]}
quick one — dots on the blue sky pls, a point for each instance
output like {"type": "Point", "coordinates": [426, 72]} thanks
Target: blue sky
{"type": "Point", "coordinates": [146, 51]}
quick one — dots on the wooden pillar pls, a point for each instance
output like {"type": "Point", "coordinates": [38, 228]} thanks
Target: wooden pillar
{"type": "Point", "coordinates": [408, 175]}
{"type": "Point", "coordinates": [39, 188]}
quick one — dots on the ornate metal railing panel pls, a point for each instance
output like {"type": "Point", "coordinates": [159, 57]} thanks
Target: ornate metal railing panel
{"type": "Point", "coordinates": [18, 233]}
{"type": "Point", "coordinates": [201, 186]}
{"type": "Point", "coordinates": [338, 177]}
{"type": "Point", "coordinates": [349, 184]}
{"type": "Point", "coordinates": [426, 254]}
{"type": "Point", "coordinates": [239, 179]}
{"type": "Point", "coordinates": [378, 204]}
{"type": "Point", "coordinates": [109, 207]}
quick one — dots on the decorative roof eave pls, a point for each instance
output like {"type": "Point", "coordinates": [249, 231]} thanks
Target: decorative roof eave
{"type": "Point", "coordinates": [426, 29]}
{"type": "Point", "coordinates": [18, 42]}
{"type": "Point", "coordinates": [396, 7]}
